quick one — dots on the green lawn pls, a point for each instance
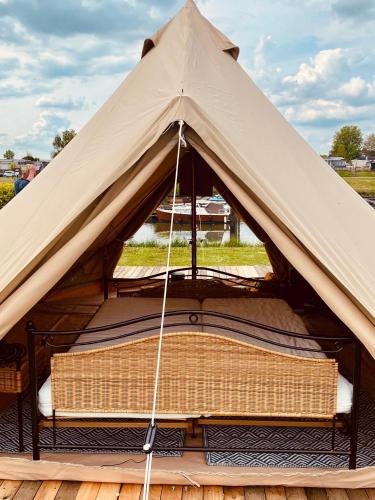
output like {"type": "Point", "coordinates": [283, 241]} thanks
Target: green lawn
{"type": "Point", "coordinates": [359, 173]}
{"type": "Point", "coordinates": [363, 185]}
{"type": "Point", "coordinates": [208, 256]}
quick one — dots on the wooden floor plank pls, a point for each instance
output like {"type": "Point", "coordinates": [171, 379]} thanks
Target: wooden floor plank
{"type": "Point", "coordinates": [234, 493]}
{"type": "Point", "coordinates": [48, 490]}
{"type": "Point", "coordinates": [68, 490]}
{"type": "Point", "coordinates": [8, 489]}
{"type": "Point", "coordinates": [213, 493]}
{"type": "Point", "coordinates": [316, 494]}
{"type": "Point", "coordinates": [192, 493]}
{"type": "Point", "coordinates": [71, 490]}
{"type": "Point", "coordinates": [108, 491]}
{"type": "Point", "coordinates": [88, 491]}
{"type": "Point", "coordinates": [130, 492]}
{"type": "Point", "coordinates": [336, 494]}
{"type": "Point", "coordinates": [275, 493]}
{"type": "Point", "coordinates": [171, 493]}
{"type": "Point", "coordinates": [27, 490]}
{"type": "Point", "coordinates": [255, 493]}
{"type": "Point", "coordinates": [357, 494]}
{"type": "Point", "coordinates": [295, 493]}
{"type": "Point", "coordinates": [155, 492]}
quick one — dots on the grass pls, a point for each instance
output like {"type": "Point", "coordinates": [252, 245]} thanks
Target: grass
{"type": "Point", "coordinates": [211, 255]}
{"type": "Point", "coordinates": [177, 243]}
{"type": "Point", "coordinates": [359, 173]}
{"type": "Point", "coordinates": [363, 185]}
{"type": "Point", "coordinates": [363, 181]}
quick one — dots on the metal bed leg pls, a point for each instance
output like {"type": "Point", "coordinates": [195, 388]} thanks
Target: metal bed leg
{"type": "Point", "coordinates": [333, 444]}
{"type": "Point", "coordinates": [54, 427]}
{"type": "Point", "coordinates": [33, 391]}
{"type": "Point", "coordinates": [20, 421]}
{"type": "Point", "coordinates": [355, 408]}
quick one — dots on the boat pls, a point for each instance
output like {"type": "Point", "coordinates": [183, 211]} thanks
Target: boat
{"type": "Point", "coordinates": [207, 211]}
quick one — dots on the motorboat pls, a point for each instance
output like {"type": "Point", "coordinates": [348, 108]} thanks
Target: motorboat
{"type": "Point", "coordinates": [207, 211]}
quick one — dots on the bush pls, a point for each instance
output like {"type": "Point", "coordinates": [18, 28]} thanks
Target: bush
{"type": "Point", "coordinates": [6, 194]}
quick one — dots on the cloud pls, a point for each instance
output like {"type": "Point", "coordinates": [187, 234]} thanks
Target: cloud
{"type": "Point", "coordinates": [60, 102]}
{"type": "Point", "coordinates": [112, 17]}
{"type": "Point", "coordinates": [353, 9]}
{"type": "Point", "coordinates": [260, 66]}
{"type": "Point", "coordinates": [326, 65]}
{"type": "Point", "coordinates": [324, 112]}
{"type": "Point", "coordinates": [357, 90]}
{"type": "Point", "coordinates": [13, 87]}
{"type": "Point", "coordinates": [42, 132]}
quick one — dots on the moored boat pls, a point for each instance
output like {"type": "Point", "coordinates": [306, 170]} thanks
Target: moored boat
{"type": "Point", "coordinates": [206, 212]}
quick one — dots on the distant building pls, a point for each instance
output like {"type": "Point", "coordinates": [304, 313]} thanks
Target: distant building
{"type": "Point", "coordinates": [336, 162]}
{"type": "Point", "coordinates": [370, 160]}
{"type": "Point", "coordinates": [358, 164]}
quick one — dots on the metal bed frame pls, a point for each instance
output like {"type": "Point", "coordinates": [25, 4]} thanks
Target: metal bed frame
{"type": "Point", "coordinates": [48, 338]}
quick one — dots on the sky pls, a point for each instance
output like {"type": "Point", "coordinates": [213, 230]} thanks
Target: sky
{"type": "Point", "coordinates": [60, 61]}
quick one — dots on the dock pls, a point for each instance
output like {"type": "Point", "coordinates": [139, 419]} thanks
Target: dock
{"type": "Point", "coordinates": [70, 490]}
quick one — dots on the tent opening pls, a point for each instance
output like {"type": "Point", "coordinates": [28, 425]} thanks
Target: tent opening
{"type": "Point", "coordinates": [257, 326]}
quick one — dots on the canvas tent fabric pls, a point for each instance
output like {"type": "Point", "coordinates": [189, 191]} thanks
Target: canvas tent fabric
{"type": "Point", "coordinates": [189, 71]}
{"type": "Point", "coordinates": [100, 187]}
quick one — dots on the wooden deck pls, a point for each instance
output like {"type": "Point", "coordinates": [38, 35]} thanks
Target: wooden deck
{"type": "Point", "coordinates": [69, 490]}
{"type": "Point", "coordinates": [141, 271]}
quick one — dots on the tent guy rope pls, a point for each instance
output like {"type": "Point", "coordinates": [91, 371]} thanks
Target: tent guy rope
{"type": "Point", "coordinates": [151, 432]}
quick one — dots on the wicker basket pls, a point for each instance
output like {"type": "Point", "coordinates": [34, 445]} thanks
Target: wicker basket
{"type": "Point", "coordinates": [14, 380]}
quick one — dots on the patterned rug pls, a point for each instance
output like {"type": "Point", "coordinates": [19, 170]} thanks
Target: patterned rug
{"type": "Point", "coordinates": [82, 436]}
{"type": "Point", "coordinates": [291, 438]}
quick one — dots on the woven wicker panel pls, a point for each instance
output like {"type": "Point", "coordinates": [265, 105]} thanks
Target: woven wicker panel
{"type": "Point", "coordinates": [15, 381]}
{"type": "Point", "coordinates": [201, 374]}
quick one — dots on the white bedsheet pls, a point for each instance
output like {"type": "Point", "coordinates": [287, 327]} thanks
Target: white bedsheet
{"type": "Point", "coordinates": [273, 312]}
{"type": "Point", "coordinates": [276, 313]}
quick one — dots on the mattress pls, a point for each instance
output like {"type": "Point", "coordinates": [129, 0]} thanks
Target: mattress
{"type": "Point", "coordinates": [276, 313]}
{"type": "Point", "coordinates": [273, 312]}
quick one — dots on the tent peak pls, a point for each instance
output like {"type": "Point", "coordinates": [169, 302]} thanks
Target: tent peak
{"type": "Point", "coordinates": [190, 3]}
{"type": "Point", "coordinates": [188, 12]}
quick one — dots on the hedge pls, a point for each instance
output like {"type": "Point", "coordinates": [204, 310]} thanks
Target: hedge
{"type": "Point", "coordinates": [6, 194]}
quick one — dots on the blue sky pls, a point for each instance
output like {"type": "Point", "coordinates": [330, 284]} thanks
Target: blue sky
{"type": "Point", "coordinates": [59, 61]}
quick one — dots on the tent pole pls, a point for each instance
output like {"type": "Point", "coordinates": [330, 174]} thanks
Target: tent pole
{"type": "Point", "coordinates": [193, 218]}
{"type": "Point", "coordinates": [354, 420]}
{"type": "Point", "coordinates": [105, 277]}
{"type": "Point", "coordinates": [33, 390]}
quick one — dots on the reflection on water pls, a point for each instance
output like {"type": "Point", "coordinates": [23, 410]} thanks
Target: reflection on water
{"type": "Point", "coordinates": [219, 233]}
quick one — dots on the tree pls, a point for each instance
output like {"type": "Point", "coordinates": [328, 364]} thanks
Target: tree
{"type": "Point", "coordinates": [369, 145]}
{"type": "Point", "coordinates": [9, 154]}
{"type": "Point", "coordinates": [30, 157]}
{"type": "Point", "coordinates": [60, 141]}
{"type": "Point", "coordinates": [13, 166]}
{"type": "Point", "coordinates": [347, 143]}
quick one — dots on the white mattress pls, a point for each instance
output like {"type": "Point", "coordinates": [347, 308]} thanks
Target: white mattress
{"type": "Point", "coordinates": [273, 312]}
{"type": "Point", "coordinates": [276, 313]}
